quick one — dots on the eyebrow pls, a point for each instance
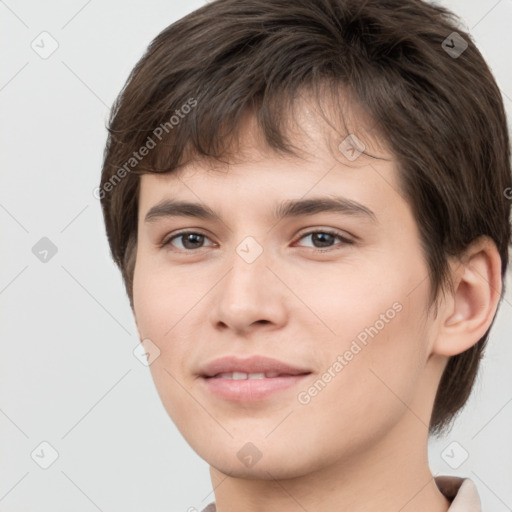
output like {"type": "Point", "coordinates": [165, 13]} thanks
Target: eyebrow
{"type": "Point", "coordinates": [286, 209]}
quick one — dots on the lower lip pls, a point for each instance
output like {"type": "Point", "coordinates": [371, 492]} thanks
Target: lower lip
{"type": "Point", "coordinates": [250, 390]}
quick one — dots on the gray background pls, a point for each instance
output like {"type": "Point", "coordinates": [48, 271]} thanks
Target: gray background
{"type": "Point", "coordinates": [68, 373]}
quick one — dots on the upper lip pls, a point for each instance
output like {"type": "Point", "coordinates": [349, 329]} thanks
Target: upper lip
{"type": "Point", "coordinates": [253, 364]}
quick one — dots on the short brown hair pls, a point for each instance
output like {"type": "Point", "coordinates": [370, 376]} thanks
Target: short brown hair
{"type": "Point", "coordinates": [441, 114]}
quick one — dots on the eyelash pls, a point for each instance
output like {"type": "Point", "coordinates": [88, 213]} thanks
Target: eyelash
{"type": "Point", "coordinates": [346, 241]}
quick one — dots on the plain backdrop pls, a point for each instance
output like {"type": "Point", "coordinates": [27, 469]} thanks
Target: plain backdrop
{"type": "Point", "coordinates": [69, 378]}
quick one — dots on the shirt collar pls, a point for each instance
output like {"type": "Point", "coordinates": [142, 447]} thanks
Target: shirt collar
{"type": "Point", "coordinates": [461, 492]}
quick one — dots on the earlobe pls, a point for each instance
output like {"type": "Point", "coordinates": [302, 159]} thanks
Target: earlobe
{"type": "Point", "coordinates": [470, 309]}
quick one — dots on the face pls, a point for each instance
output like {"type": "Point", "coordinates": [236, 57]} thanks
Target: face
{"type": "Point", "coordinates": [295, 337]}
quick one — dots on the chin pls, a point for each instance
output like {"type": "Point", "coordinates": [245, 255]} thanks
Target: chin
{"type": "Point", "coordinates": [246, 460]}
{"type": "Point", "coordinates": [262, 470]}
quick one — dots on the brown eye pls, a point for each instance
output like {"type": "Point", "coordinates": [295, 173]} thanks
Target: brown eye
{"type": "Point", "coordinates": [324, 239]}
{"type": "Point", "coordinates": [190, 240]}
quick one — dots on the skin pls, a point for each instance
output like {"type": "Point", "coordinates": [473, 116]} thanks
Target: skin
{"type": "Point", "coordinates": [360, 444]}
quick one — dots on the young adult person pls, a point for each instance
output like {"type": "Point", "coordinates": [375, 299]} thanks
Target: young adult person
{"type": "Point", "coordinates": [308, 203]}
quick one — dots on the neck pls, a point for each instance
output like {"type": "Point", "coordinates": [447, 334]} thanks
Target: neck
{"type": "Point", "coordinates": [390, 475]}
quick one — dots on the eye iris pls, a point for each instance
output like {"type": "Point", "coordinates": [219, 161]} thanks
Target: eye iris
{"type": "Point", "coordinates": [193, 238]}
{"type": "Point", "coordinates": [325, 242]}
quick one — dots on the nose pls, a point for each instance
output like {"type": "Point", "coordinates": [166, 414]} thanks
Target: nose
{"type": "Point", "coordinates": [250, 294]}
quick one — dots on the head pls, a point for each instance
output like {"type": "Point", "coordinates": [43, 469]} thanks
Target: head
{"type": "Point", "coordinates": [245, 104]}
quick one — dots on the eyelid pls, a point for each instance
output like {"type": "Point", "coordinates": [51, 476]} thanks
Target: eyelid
{"type": "Point", "coordinates": [345, 238]}
{"type": "Point", "coordinates": [166, 241]}
{"type": "Point", "coordinates": [332, 231]}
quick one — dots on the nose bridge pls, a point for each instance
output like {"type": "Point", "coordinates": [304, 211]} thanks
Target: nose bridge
{"type": "Point", "coordinates": [246, 295]}
{"type": "Point", "coordinates": [250, 250]}
{"type": "Point", "coordinates": [248, 268]}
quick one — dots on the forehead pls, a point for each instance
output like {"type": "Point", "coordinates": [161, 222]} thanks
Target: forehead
{"type": "Point", "coordinates": [312, 119]}
{"type": "Point", "coordinates": [268, 191]}
{"type": "Point", "coordinates": [254, 173]}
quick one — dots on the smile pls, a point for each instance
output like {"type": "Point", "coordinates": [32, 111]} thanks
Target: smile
{"type": "Point", "coordinates": [243, 375]}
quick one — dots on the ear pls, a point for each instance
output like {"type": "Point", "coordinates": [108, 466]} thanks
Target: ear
{"type": "Point", "coordinates": [468, 311]}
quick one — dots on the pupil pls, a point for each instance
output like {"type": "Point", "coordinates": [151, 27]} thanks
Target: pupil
{"type": "Point", "coordinates": [191, 237]}
{"type": "Point", "coordinates": [323, 235]}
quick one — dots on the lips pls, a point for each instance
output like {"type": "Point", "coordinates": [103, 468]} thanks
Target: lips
{"type": "Point", "coordinates": [243, 375]}
{"type": "Point", "coordinates": [250, 380]}
{"type": "Point", "coordinates": [254, 366]}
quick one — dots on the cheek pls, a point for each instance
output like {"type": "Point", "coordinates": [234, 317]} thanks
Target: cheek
{"type": "Point", "coordinates": [379, 349]}
{"type": "Point", "coordinates": [162, 299]}
{"type": "Point", "coordinates": [164, 306]}
{"type": "Point", "coordinates": [363, 393]}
